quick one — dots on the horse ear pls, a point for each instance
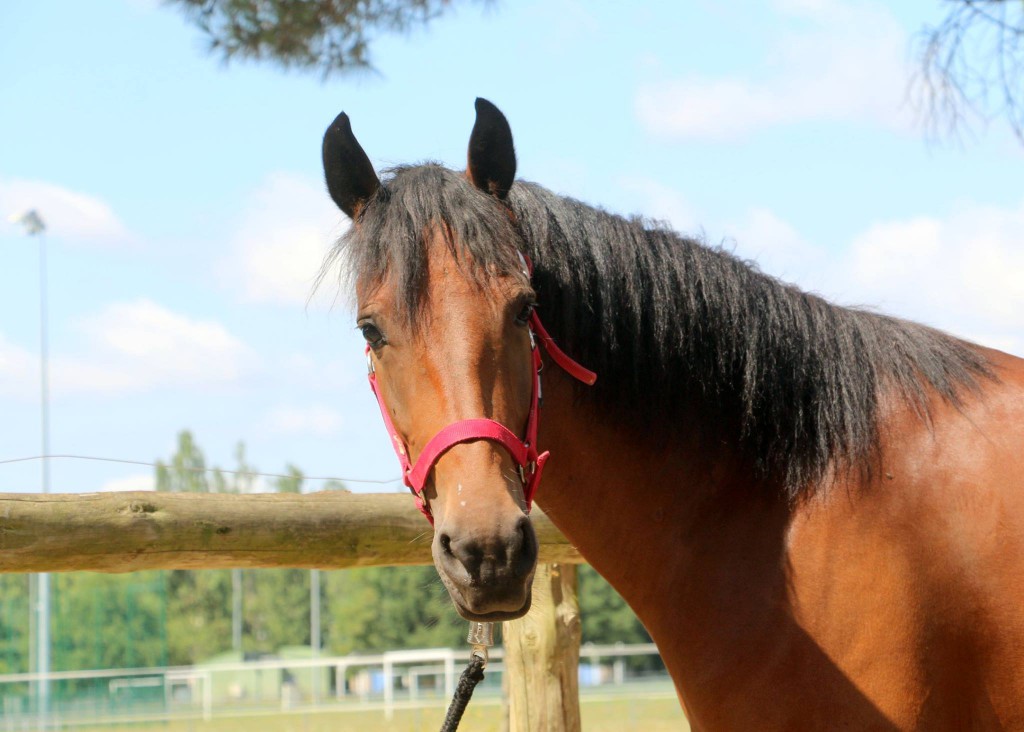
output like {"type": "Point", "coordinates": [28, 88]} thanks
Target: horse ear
{"type": "Point", "coordinates": [351, 180]}
{"type": "Point", "coordinates": [492, 157]}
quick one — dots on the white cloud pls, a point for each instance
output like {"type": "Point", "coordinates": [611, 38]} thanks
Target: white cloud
{"type": "Point", "coordinates": [775, 245]}
{"type": "Point", "coordinates": [282, 238]}
{"type": "Point", "coordinates": [963, 273]}
{"type": "Point", "coordinates": [660, 202]}
{"type": "Point", "coordinates": [312, 420]}
{"type": "Point", "coordinates": [73, 216]}
{"type": "Point", "coordinates": [132, 348]}
{"type": "Point", "coordinates": [136, 482]}
{"type": "Point", "coordinates": [843, 60]}
{"type": "Point", "coordinates": [140, 346]}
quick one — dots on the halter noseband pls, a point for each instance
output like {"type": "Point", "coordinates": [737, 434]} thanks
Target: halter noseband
{"type": "Point", "coordinates": [524, 452]}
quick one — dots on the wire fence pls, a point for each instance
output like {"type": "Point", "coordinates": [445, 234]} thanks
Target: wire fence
{"type": "Point", "coordinates": [203, 470]}
{"type": "Point", "coordinates": [296, 682]}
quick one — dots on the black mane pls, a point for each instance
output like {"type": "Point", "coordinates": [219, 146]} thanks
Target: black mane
{"type": "Point", "coordinates": [679, 333]}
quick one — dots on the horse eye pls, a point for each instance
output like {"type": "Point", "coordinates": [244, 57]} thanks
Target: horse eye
{"type": "Point", "coordinates": [524, 315]}
{"type": "Point", "coordinates": [372, 335]}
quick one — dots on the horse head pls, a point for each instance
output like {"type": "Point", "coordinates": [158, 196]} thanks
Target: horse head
{"type": "Point", "coordinates": [445, 307]}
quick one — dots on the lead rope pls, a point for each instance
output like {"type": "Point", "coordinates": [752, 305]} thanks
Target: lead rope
{"type": "Point", "coordinates": [481, 637]}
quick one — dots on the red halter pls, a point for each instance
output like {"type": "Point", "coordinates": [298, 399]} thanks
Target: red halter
{"type": "Point", "coordinates": [523, 452]}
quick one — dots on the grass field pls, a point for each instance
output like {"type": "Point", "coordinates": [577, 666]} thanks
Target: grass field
{"type": "Point", "coordinates": [599, 714]}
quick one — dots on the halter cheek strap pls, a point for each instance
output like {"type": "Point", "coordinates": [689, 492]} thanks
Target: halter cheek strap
{"type": "Point", "coordinates": [523, 451]}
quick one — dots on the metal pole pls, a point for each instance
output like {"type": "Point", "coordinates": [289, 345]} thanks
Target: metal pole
{"type": "Point", "coordinates": [314, 611]}
{"type": "Point", "coordinates": [236, 611]}
{"type": "Point", "coordinates": [43, 623]}
{"type": "Point", "coordinates": [314, 631]}
{"type": "Point", "coordinates": [33, 635]}
{"type": "Point", "coordinates": [39, 591]}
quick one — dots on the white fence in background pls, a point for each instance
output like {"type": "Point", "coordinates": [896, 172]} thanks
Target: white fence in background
{"type": "Point", "coordinates": [394, 680]}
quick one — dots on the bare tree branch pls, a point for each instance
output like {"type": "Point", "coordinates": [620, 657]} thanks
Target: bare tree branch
{"type": "Point", "coordinates": [972, 66]}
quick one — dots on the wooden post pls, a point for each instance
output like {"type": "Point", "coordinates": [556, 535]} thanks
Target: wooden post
{"type": "Point", "coordinates": [542, 653]}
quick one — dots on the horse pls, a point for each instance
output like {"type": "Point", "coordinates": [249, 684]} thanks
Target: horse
{"type": "Point", "coordinates": [816, 511]}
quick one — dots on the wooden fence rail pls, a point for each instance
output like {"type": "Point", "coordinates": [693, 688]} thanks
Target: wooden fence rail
{"type": "Point", "coordinates": [128, 532]}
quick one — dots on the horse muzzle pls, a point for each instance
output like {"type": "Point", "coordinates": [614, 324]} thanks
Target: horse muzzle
{"type": "Point", "coordinates": [487, 573]}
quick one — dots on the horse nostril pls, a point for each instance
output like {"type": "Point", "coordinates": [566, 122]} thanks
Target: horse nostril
{"type": "Point", "coordinates": [526, 557]}
{"type": "Point", "coordinates": [506, 555]}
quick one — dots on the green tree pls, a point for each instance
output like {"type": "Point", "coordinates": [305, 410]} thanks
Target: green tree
{"type": "Point", "coordinates": [606, 616]}
{"type": "Point", "coordinates": [198, 614]}
{"type": "Point", "coordinates": [97, 621]}
{"type": "Point", "coordinates": [240, 480]}
{"type": "Point", "coordinates": [327, 35]}
{"type": "Point", "coordinates": [381, 608]}
{"type": "Point", "coordinates": [276, 609]}
{"type": "Point", "coordinates": [291, 482]}
{"type": "Point", "coordinates": [108, 621]}
{"type": "Point", "coordinates": [275, 603]}
{"type": "Point", "coordinates": [186, 471]}
{"type": "Point", "coordinates": [199, 602]}
{"type": "Point", "coordinates": [14, 623]}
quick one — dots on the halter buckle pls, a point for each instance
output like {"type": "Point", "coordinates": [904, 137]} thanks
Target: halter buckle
{"type": "Point", "coordinates": [369, 363]}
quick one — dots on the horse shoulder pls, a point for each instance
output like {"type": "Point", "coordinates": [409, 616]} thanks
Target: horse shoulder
{"type": "Point", "coordinates": [911, 580]}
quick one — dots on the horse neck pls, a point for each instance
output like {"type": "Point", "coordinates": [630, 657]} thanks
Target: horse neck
{"type": "Point", "coordinates": [681, 530]}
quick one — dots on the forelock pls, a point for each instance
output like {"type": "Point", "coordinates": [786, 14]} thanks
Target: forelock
{"type": "Point", "coordinates": [391, 238]}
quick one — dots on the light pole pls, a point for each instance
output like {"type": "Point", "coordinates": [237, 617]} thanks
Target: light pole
{"type": "Point", "coordinates": [314, 630]}
{"type": "Point", "coordinates": [34, 226]}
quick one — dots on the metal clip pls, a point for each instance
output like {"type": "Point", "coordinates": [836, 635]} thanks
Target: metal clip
{"type": "Point", "coordinates": [369, 363]}
{"type": "Point", "coordinates": [531, 467]}
{"type": "Point", "coordinates": [481, 637]}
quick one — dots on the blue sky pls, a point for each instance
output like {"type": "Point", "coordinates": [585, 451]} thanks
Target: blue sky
{"type": "Point", "coordinates": [187, 216]}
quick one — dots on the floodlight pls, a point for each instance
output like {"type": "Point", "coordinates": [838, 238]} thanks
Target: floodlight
{"type": "Point", "coordinates": [31, 220]}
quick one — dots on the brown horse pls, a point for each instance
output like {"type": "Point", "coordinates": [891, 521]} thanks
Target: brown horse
{"type": "Point", "coordinates": [817, 512]}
